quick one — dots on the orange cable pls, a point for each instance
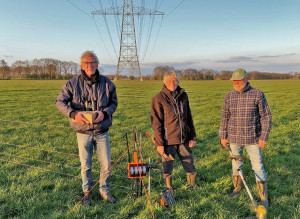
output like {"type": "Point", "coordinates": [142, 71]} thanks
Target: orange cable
{"type": "Point", "coordinates": [101, 177]}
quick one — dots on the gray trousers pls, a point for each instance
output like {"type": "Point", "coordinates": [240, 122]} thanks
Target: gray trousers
{"type": "Point", "coordinates": [186, 157]}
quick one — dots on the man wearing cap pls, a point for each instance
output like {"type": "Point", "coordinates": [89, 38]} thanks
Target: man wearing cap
{"type": "Point", "coordinates": [246, 123]}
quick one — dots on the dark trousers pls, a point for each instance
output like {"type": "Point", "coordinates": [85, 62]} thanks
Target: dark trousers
{"type": "Point", "coordinates": [186, 157]}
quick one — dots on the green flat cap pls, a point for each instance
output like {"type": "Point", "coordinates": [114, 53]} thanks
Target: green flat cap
{"type": "Point", "coordinates": [238, 74]}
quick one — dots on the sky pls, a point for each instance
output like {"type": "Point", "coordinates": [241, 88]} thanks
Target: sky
{"type": "Point", "coordinates": [258, 35]}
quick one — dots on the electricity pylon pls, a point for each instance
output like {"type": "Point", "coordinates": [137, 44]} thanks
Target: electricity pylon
{"type": "Point", "coordinates": [128, 54]}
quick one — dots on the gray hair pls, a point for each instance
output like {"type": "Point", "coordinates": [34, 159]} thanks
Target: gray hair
{"type": "Point", "coordinates": [89, 54]}
{"type": "Point", "coordinates": [171, 74]}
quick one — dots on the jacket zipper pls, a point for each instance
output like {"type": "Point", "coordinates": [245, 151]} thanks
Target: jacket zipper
{"type": "Point", "coordinates": [179, 118]}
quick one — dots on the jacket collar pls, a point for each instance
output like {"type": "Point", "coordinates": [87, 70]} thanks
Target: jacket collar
{"type": "Point", "coordinates": [94, 79]}
{"type": "Point", "coordinates": [168, 93]}
{"type": "Point", "coordinates": [246, 88]}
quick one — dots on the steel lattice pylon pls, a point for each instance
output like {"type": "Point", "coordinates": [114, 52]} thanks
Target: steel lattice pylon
{"type": "Point", "coordinates": [128, 54]}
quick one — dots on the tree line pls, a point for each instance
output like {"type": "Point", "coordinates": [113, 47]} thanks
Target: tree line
{"type": "Point", "coordinates": [210, 74]}
{"type": "Point", "coordinates": [47, 68]}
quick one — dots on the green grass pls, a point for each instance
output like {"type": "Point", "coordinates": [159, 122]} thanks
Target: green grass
{"type": "Point", "coordinates": [39, 166]}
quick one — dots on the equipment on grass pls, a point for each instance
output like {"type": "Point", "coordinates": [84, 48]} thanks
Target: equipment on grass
{"type": "Point", "coordinates": [167, 198]}
{"type": "Point", "coordinates": [260, 210]}
{"type": "Point", "coordinates": [137, 169]}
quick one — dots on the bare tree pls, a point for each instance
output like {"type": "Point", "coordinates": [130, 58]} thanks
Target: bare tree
{"type": "Point", "coordinates": [159, 72]}
{"type": "Point", "coordinates": [189, 74]}
{"type": "Point", "coordinates": [17, 69]}
{"type": "Point", "coordinates": [4, 70]}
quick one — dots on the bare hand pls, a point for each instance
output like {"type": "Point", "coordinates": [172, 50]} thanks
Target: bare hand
{"type": "Point", "coordinates": [262, 143]}
{"type": "Point", "coordinates": [80, 118]}
{"type": "Point", "coordinates": [161, 150]}
{"type": "Point", "coordinates": [192, 143]}
{"type": "Point", "coordinates": [224, 142]}
{"type": "Point", "coordinates": [100, 116]}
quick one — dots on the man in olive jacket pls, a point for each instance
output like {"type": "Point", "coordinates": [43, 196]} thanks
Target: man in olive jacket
{"type": "Point", "coordinates": [173, 126]}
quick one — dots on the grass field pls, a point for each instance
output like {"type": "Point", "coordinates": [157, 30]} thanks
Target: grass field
{"type": "Point", "coordinates": [39, 166]}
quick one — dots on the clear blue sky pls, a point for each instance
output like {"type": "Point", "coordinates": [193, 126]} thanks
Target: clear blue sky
{"type": "Point", "coordinates": [262, 35]}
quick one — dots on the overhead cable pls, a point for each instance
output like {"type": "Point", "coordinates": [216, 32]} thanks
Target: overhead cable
{"type": "Point", "coordinates": [102, 39]}
{"type": "Point", "coordinates": [108, 30]}
{"type": "Point", "coordinates": [156, 39]}
{"type": "Point", "coordinates": [79, 8]}
{"type": "Point", "coordinates": [175, 8]}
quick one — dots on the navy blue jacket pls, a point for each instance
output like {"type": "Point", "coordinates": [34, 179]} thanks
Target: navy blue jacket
{"type": "Point", "coordinates": [77, 90]}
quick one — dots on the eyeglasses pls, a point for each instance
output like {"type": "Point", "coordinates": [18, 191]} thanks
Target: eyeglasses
{"type": "Point", "coordinates": [89, 63]}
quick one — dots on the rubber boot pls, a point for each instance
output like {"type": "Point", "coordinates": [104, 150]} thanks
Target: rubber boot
{"type": "Point", "coordinates": [237, 183]}
{"type": "Point", "coordinates": [169, 182]}
{"type": "Point", "coordinates": [191, 179]}
{"type": "Point", "coordinates": [107, 197]}
{"type": "Point", "coordinates": [263, 193]}
{"type": "Point", "coordinates": [87, 198]}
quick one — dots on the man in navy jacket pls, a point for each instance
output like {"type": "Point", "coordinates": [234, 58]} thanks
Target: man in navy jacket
{"type": "Point", "coordinates": [90, 91]}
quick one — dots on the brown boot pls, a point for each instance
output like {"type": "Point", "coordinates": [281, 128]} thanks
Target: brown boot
{"type": "Point", "coordinates": [237, 183]}
{"type": "Point", "coordinates": [263, 193]}
{"type": "Point", "coordinates": [191, 179]}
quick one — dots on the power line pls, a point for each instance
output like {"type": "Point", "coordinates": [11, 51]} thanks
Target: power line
{"type": "Point", "coordinates": [175, 8]}
{"type": "Point", "coordinates": [116, 16]}
{"type": "Point", "coordinates": [94, 23]}
{"type": "Point", "coordinates": [128, 48]}
{"type": "Point", "coordinates": [79, 8]}
{"type": "Point", "coordinates": [155, 39]}
{"type": "Point", "coordinates": [102, 39]}
{"type": "Point", "coordinates": [108, 30]}
{"type": "Point", "coordinates": [150, 31]}
{"type": "Point", "coordinates": [148, 37]}
{"type": "Point", "coordinates": [91, 4]}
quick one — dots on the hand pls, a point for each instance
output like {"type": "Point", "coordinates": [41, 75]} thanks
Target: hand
{"type": "Point", "coordinates": [80, 118]}
{"type": "Point", "coordinates": [192, 143]}
{"type": "Point", "coordinates": [262, 143]}
{"type": "Point", "coordinates": [100, 116]}
{"type": "Point", "coordinates": [224, 142]}
{"type": "Point", "coordinates": [161, 150]}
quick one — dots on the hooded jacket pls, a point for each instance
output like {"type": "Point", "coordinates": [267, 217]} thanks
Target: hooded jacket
{"type": "Point", "coordinates": [80, 89]}
{"type": "Point", "coordinates": [171, 118]}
